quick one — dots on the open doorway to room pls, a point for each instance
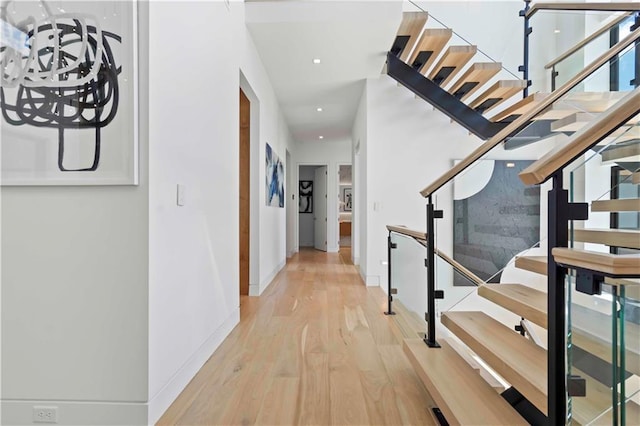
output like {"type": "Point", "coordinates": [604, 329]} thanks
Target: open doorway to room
{"type": "Point", "coordinates": [245, 192]}
{"type": "Point", "coordinates": [345, 203]}
{"type": "Point", "coordinates": [312, 207]}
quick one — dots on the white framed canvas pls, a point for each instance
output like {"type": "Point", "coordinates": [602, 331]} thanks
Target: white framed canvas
{"type": "Point", "coordinates": [69, 93]}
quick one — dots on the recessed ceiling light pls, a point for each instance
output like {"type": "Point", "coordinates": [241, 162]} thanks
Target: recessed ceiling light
{"type": "Point", "coordinates": [316, 61]}
{"type": "Point", "coordinates": [320, 137]}
{"type": "Point", "coordinates": [319, 109]}
{"type": "Point", "coordinates": [511, 165]}
{"type": "Point", "coordinates": [556, 31]}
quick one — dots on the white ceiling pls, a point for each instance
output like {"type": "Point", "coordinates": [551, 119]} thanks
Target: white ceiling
{"type": "Point", "coordinates": [351, 39]}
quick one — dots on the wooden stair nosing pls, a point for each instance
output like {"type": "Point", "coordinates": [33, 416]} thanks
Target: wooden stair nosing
{"type": "Point", "coordinates": [537, 264]}
{"type": "Point", "coordinates": [520, 361]}
{"type": "Point", "coordinates": [618, 205]}
{"type": "Point", "coordinates": [628, 238]}
{"type": "Point", "coordinates": [456, 57]}
{"type": "Point", "coordinates": [457, 389]}
{"type": "Point", "coordinates": [478, 73]}
{"type": "Point", "coordinates": [524, 301]}
{"type": "Point", "coordinates": [519, 107]}
{"type": "Point", "coordinates": [572, 123]}
{"type": "Point", "coordinates": [502, 90]}
{"type": "Point", "coordinates": [627, 265]}
{"type": "Point", "coordinates": [411, 25]}
{"type": "Point", "coordinates": [432, 40]}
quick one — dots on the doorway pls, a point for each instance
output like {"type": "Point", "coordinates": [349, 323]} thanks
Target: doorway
{"type": "Point", "coordinates": [245, 192]}
{"type": "Point", "coordinates": [345, 196]}
{"type": "Point", "coordinates": [312, 207]}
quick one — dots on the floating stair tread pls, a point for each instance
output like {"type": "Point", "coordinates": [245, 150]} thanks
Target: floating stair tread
{"type": "Point", "coordinates": [518, 360]}
{"type": "Point", "coordinates": [607, 263]}
{"type": "Point", "coordinates": [454, 57]}
{"type": "Point", "coordinates": [633, 415]}
{"type": "Point", "coordinates": [520, 107]}
{"type": "Point", "coordinates": [572, 122]}
{"type": "Point", "coordinates": [590, 102]}
{"type": "Point", "coordinates": [432, 40]}
{"type": "Point", "coordinates": [527, 302]}
{"type": "Point", "coordinates": [596, 402]}
{"type": "Point", "coordinates": [411, 25]}
{"type": "Point", "coordinates": [591, 331]}
{"type": "Point", "coordinates": [620, 205]}
{"type": "Point", "coordinates": [628, 238]}
{"type": "Point", "coordinates": [478, 74]}
{"type": "Point", "coordinates": [400, 229]}
{"type": "Point", "coordinates": [629, 152]}
{"type": "Point", "coordinates": [500, 91]}
{"type": "Point", "coordinates": [458, 390]}
{"type": "Point", "coordinates": [537, 264]}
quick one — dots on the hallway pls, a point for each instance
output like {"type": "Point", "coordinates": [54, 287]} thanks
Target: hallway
{"type": "Point", "coordinates": [315, 348]}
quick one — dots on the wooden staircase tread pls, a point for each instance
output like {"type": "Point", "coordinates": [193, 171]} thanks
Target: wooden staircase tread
{"type": "Point", "coordinates": [432, 40]}
{"type": "Point", "coordinates": [454, 57]}
{"type": "Point", "coordinates": [477, 74]}
{"type": "Point", "coordinates": [628, 238]}
{"type": "Point", "coordinates": [527, 302]}
{"type": "Point", "coordinates": [497, 93]}
{"type": "Point", "coordinates": [537, 264]}
{"type": "Point", "coordinates": [572, 122]}
{"type": "Point", "coordinates": [457, 389]}
{"type": "Point", "coordinates": [619, 205]}
{"type": "Point", "coordinates": [400, 229]}
{"type": "Point", "coordinates": [519, 107]}
{"type": "Point", "coordinates": [607, 263]}
{"type": "Point", "coordinates": [629, 152]}
{"type": "Point", "coordinates": [518, 360]}
{"type": "Point", "coordinates": [633, 415]}
{"type": "Point", "coordinates": [411, 25]}
{"type": "Point", "coordinates": [595, 403]}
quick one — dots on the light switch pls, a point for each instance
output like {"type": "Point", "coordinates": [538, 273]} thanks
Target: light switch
{"type": "Point", "coordinates": [181, 195]}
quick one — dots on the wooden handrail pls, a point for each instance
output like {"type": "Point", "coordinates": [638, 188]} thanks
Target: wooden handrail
{"type": "Point", "coordinates": [581, 141]}
{"type": "Point", "coordinates": [421, 237]}
{"type": "Point", "coordinates": [522, 121]}
{"type": "Point", "coordinates": [601, 7]}
{"type": "Point", "coordinates": [588, 40]}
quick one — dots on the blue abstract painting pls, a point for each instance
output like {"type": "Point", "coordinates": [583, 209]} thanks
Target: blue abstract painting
{"type": "Point", "coordinates": [274, 171]}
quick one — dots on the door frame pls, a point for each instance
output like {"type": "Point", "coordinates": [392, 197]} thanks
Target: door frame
{"type": "Point", "coordinates": [339, 194]}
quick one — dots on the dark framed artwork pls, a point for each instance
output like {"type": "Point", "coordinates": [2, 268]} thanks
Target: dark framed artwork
{"type": "Point", "coordinates": [347, 199]}
{"type": "Point", "coordinates": [305, 196]}
{"type": "Point", "coordinates": [69, 93]}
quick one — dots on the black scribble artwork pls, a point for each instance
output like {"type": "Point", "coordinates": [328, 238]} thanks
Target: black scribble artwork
{"type": "Point", "coordinates": [66, 78]}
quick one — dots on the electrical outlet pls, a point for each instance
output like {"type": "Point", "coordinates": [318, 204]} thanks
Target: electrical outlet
{"type": "Point", "coordinates": [45, 414]}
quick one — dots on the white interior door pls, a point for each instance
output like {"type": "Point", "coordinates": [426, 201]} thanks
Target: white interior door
{"type": "Point", "coordinates": [320, 208]}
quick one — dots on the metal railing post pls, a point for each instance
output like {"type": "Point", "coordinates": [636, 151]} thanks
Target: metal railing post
{"type": "Point", "coordinates": [524, 68]}
{"type": "Point", "coordinates": [430, 340]}
{"type": "Point", "coordinates": [390, 246]}
{"type": "Point", "coordinates": [556, 340]}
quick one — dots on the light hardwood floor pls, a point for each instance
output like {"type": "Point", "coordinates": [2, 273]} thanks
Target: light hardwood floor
{"type": "Point", "coordinates": [314, 349]}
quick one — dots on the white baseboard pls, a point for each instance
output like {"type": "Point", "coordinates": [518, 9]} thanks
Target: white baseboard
{"type": "Point", "coordinates": [268, 280]}
{"type": "Point", "coordinates": [333, 249]}
{"type": "Point", "coordinates": [165, 397]}
{"type": "Point", "coordinates": [372, 281]}
{"type": "Point", "coordinates": [20, 412]}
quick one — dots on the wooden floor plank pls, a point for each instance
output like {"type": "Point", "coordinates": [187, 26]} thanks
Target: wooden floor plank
{"type": "Point", "coordinates": [313, 349]}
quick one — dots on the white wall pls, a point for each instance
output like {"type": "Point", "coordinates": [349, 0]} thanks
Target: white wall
{"type": "Point", "coordinates": [75, 297]}
{"type": "Point", "coordinates": [113, 297]}
{"type": "Point", "coordinates": [331, 153]}
{"type": "Point", "coordinates": [359, 172]}
{"type": "Point", "coordinates": [194, 293]}
{"type": "Point", "coordinates": [305, 220]}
